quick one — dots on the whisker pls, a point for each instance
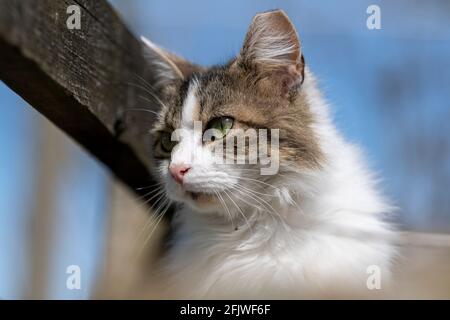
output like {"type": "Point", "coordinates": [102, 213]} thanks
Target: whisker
{"type": "Point", "coordinates": [258, 208]}
{"type": "Point", "coordinates": [255, 180]}
{"type": "Point", "coordinates": [150, 186]}
{"type": "Point", "coordinates": [153, 95]}
{"type": "Point", "coordinates": [141, 109]}
{"type": "Point", "coordinates": [150, 89]}
{"type": "Point", "coordinates": [239, 209]}
{"type": "Point", "coordinates": [151, 218]}
{"type": "Point", "coordinates": [225, 207]}
{"type": "Point", "coordinates": [155, 225]}
{"type": "Point", "coordinates": [264, 194]}
{"type": "Point", "coordinates": [267, 205]}
{"type": "Point", "coordinates": [161, 191]}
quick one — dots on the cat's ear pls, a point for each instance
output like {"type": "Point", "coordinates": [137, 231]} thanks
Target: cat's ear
{"type": "Point", "coordinates": [273, 47]}
{"type": "Point", "coordinates": [166, 66]}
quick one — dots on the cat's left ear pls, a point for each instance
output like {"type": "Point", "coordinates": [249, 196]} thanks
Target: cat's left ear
{"type": "Point", "coordinates": [272, 46]}
{"type": "Point", "coordinates": [166, 66]}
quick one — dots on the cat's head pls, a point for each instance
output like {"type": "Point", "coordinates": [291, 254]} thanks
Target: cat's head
{"type": "Point", "coordinates": [206, 110]}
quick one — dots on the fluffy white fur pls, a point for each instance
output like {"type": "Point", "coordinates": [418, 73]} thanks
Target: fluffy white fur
{"type": "Point", "coordinates": [330, 230]}
{"type": "Point", "coordinates": [307, 233]}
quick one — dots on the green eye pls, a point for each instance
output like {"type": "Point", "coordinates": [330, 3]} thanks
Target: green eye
{"type": "Point", "coordinates": [166, 142]}
{"type": "Point", "coordinates": [222, 124]}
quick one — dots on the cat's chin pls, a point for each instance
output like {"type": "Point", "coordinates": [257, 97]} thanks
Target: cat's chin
{"type": "Point", "coordinates": [200, 201]}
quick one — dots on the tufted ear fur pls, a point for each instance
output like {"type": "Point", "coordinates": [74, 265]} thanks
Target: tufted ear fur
{"type": "Point", "coordinates": [273, 48]}
{"type": "Point", "coordinates": [167, 66]}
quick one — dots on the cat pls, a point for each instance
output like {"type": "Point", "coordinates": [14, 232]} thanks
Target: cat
{"type": "Point", "coordinates": [314, 228]}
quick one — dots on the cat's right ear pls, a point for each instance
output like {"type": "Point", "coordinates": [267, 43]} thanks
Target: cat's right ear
{"type": "Point", "coordinates": [166, 66]}
{"type": "Point", "coordinates": [272, 47]}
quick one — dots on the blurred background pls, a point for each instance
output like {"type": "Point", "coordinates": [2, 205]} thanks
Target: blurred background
{"type": "Point", "coordinates": [389, 89]}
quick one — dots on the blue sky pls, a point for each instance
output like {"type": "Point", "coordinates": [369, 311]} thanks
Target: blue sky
{"type": "Point", "coordinates": [80, 206]}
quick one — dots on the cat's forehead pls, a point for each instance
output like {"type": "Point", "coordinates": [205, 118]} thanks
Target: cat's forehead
{"type": "Point", "coordinates": [218, 91]}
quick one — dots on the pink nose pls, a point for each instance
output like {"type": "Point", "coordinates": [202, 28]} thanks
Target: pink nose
{"type": "Point", "coordinates": [178, 172]}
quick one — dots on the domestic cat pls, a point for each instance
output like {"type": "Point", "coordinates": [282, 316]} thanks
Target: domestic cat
{"type": "Point", "coordinates": [313, 228]}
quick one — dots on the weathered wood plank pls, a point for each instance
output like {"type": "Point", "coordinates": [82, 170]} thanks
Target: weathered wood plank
{"type": "Point", "coordinates": [82, 80]}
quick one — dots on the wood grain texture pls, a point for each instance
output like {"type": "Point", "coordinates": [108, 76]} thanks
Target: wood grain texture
{"type": "Point", "coordinates": [82, 80]}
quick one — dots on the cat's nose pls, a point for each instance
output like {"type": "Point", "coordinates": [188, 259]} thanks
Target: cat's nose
{"type": "Point", "coordinates": [178, 172]}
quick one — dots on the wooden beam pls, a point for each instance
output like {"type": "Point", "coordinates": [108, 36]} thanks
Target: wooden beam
{"type": "Point", "coordinates": [82, 80]}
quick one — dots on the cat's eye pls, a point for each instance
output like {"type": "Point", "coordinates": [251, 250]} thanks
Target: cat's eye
{"type": "Point", "coordinates": [167, 143]}
{"type": "Point", "coordinates": [222, 124]}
